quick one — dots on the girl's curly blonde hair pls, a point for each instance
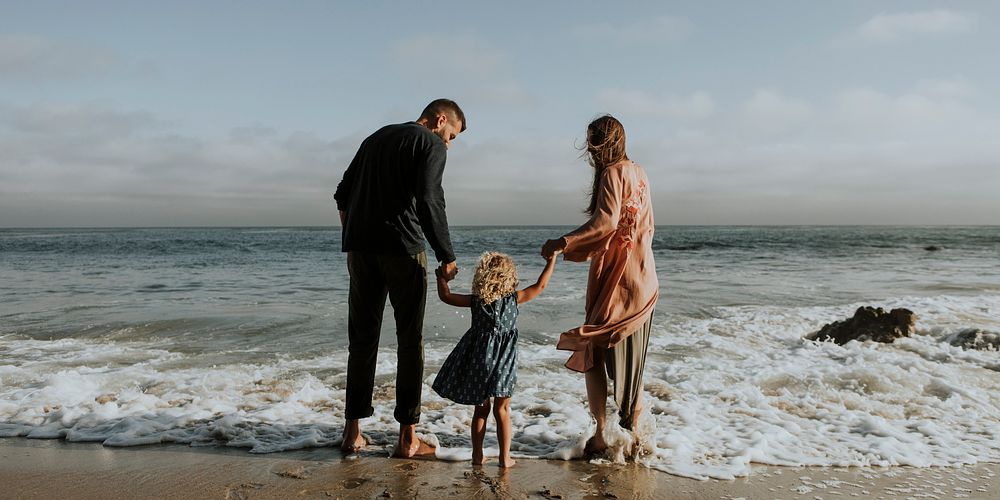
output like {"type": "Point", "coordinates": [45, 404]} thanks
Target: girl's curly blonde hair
{"type": "Point", "coordinates": [496, 276]}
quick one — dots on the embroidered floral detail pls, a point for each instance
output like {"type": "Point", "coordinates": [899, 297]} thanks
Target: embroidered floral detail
{"type": "Point", "coordinates": [625, 234]}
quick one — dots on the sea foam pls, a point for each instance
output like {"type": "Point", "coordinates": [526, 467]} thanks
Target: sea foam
{"type": "Point", "coordinates": [724, 391]}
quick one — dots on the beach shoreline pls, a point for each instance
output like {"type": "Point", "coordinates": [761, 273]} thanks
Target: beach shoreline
{"type": "Point", "coordinates": [52, 468]}
{"type": "Point", "coordinates": [207, 359]}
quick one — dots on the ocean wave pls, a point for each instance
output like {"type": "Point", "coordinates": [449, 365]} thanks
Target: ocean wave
{"type": "Point", "coordinates": [725, 391]}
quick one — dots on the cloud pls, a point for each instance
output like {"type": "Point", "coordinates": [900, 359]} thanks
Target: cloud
{"type": "Point", "coordinates": [78, 119]}
{"type": "Point", "coordinates": [924, 113]}
{"type": "Point", "coordinates": [434, 55]}
{"type": "Point", "coordinates": [32, 58]}
{"type": "Point", "coordinates": [856, 155]}
{"type": "Point", "coordinates": [96, 165]}
{"type": "Point", "coordinates": [885, 28]}
{"type": "Point", "coordinates": [926, 154]}
{"type": "Point", "coordinates": [694, 106]}
{"type": "Point", "coordinates": [514, 163]}
{"type": "Point", "coordinates": [769, 113]}
{"type": "Point", "coordinates": [651, 31]}
{"type": "Point", "coordinates": [955, 88]}
{"type": "Point", "coordinates": [105, 166]}
{"type": "Point", "coordinates": [466, 61]}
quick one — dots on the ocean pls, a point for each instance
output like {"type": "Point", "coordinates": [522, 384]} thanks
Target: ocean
{"type": "Point", "coordinates": [237, 337]}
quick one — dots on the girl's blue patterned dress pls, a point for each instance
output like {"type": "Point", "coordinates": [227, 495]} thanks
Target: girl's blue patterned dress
{"type": "Point", "coordinates": [484, 363]}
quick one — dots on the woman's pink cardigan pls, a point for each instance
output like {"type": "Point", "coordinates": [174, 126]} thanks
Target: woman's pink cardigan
{"type": "Point", "coordinates": [622, 287]}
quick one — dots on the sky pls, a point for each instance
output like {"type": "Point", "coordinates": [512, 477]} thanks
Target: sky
{"type": "Point", "coordinates": [247, 113]}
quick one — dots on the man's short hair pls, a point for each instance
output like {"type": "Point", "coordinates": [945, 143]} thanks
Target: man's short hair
{"type": "Point", "coordinates": [439, 107]}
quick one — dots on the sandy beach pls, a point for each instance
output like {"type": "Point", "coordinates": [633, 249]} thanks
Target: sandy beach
{"type": "Point", "coordinates": [56, 469]}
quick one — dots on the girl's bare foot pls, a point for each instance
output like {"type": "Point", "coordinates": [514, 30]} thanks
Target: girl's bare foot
{"type": "Point", "coordinates": [507, 462]}
{"type": "Point", "coordinates": [477, 457]}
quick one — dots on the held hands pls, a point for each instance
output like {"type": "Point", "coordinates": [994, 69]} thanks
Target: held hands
{"type": "Point", "coordinates": [447, 271]}
{"type": "Point", "coordinates": [552, 248]}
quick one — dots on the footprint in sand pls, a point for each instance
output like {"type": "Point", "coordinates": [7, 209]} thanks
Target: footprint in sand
{"type": "Point", "coordinates": [407, 466]}
{"type": "Point", "coordinates": [299, 473]}
{"type": "Point", "coordinates": [242, 492]}
{"type": "Point", "coordinates": [353, 482]}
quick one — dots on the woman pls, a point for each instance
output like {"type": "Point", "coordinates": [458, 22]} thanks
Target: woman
{"type": "Point", "coordinates": [621, 288]}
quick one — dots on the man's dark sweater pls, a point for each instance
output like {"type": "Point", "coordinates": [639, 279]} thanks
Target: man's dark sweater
{"type": "Point", "coordinates": [392, 190]}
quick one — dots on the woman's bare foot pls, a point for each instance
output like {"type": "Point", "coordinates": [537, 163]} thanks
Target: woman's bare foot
{"type": "Point", "coordinates": [507, 462]}
{"type": "Point", "coordinates": [595, 445]}
{"type": "Point", "coordinates": [353, 441]}
{"type": "Point", "coordinates": [419, 448]}
{"type": "Point", "coordinates": [411, 446]}
{"type": "Point", "coordinates": [637, 409]}
{"type": "Point", "coordinates": [477, 457]}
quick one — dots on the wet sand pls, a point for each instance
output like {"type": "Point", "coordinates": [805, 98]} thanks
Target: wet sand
{"type": "Point", "coordinates": [55, 469]}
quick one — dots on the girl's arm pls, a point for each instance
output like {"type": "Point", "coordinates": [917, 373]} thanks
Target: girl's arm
{"type": "Point", "coordinates": [452, 299]}
{"type": "Point", "coordinates": [534, 290]}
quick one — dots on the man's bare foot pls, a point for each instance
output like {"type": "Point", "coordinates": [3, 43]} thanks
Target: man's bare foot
{"type": "Point", "coordinates": [353, 440]}
{"type": "Point", "coordinates": [595, 445]}
{"type": "Point", "coordinates": [506, 463]}
{"type": "Point", "coordinates": [477, 457]}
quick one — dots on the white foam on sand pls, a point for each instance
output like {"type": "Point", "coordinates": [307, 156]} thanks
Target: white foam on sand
{"type": "Point", "coordinates": [723, 392]}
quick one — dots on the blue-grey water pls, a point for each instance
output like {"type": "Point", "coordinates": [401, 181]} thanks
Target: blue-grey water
{"type": "Point", "coordinates": [75, 302]}
{"type": "Point", "coordinates": [227, 287]}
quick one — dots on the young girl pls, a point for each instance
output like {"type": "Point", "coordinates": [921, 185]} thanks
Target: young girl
{"type": "Point", "coordinates": [484, 363]}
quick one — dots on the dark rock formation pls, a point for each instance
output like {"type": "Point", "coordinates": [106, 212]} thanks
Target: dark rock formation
{"type": "Point", "coordinates": [974, 338]}
{"type": "Point", "coordinates": [869, 323]}
{"type": "Point", "coordinates": [932, 248]}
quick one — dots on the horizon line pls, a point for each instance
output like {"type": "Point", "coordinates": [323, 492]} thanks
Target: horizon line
{"type": "Point", "coordinates": [6, 228]}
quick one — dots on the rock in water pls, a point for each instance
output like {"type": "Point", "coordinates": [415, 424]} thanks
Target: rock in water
{"type": "Point", "coordinates": [974, 338]}
{"type": "Point", "coordinates": [932, 248]}
{"type": "Point", "coordinates": [869, 323]}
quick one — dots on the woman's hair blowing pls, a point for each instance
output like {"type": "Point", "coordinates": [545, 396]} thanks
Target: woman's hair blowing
{"type": "Point", "coordinates": [605, 147]}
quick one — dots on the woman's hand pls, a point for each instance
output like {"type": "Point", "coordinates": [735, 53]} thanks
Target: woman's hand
{"type": "Point", "coordinates": [553, 247]}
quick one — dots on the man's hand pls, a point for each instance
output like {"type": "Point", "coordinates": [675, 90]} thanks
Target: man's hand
{"type": "Point", "coordinates": [448, 271]}
{"type": "Point", "coordinates": [553, 247]}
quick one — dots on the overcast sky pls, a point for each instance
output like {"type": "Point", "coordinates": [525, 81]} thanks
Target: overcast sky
{"type": "Point", "coordinates": [246, 113]}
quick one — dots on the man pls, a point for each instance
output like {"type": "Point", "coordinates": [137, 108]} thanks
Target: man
{"type": "Point", "coordinates": [389, 200]}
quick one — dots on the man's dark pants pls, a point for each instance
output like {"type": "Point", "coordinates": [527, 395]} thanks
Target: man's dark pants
{"type": "Point", "coordinates": [403, 278]}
